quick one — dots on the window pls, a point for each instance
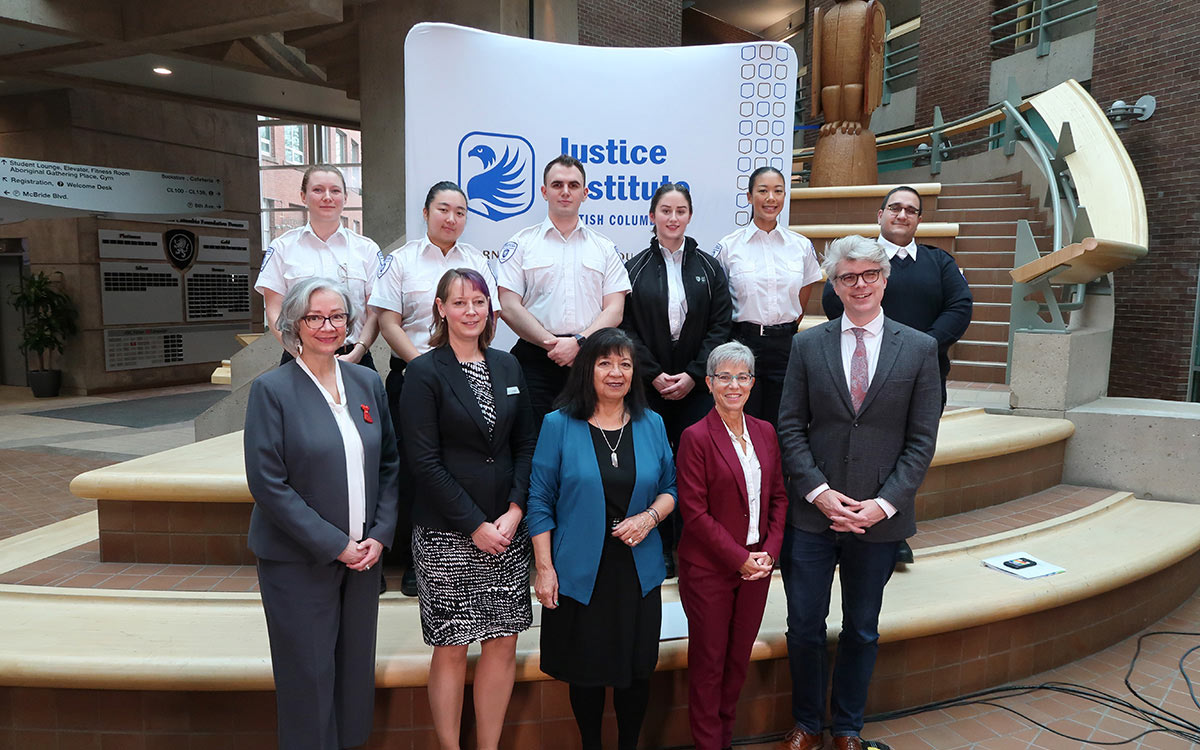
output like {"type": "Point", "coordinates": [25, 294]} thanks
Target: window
{"type": "Point", "coordinates": [266, 142]}
{"type": "Point", "coordinates": [293, 144]}
{"type": "Point", "coordinates": [339, 153]}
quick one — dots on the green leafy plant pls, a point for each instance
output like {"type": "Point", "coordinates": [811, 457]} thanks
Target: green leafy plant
{"type": "Point", "coordinates": [49, 315]}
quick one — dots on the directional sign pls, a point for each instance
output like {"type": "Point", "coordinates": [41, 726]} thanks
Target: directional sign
{"type": "Point", "coordinates": [36, 189]}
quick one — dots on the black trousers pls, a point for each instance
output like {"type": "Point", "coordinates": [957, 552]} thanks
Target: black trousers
{"type": "Point", "coordinates": [770, 366]}
{"type": "Point", "coordinates": [400, 555]}
{"type": "Point", "coordinates": [543, 378]}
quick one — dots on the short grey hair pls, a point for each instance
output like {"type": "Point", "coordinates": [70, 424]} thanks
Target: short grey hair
{"type": "Point", "coordinates": [295, 307]}
{"type": "Point", "coordinates": [733, 352]}
{"type": "Point", "coordinates": [854, 247]}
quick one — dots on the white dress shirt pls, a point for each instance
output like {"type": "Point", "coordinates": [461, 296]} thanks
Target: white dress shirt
{"type": "Point", "coordinates": [562, 280]}
{"type": "Point", "coordinates": [408, 280]}
{"type": "Point", "coordinates": [300, 254]}
{"type": "Point", "coordinates": [766, 272]}
{"type": "Point", "coordinates": [892, 249]}
{"type": "Point", "coordinates": [356, 481]}
{"type": "Point", "coordinates": [872, 339]}
{"type": "Point", "coordinates": [752, 471]}
{"type": "Point", "coordinates": [676, 298]}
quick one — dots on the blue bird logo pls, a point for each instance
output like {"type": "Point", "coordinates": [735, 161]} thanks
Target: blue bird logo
{"type": "Point", "coordinates": [499, 186]}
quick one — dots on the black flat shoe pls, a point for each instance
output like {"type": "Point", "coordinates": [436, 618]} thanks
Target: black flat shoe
{"type": "Point", "coordinates": [408, 583]}
{"type": "Point", "coordinates": [904, 554]}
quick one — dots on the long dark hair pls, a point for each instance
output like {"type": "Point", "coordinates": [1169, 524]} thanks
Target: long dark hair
{"type": "Point", "coordinates": [439, 187]}
{"type": "Point", "coordinates": [578, 398]}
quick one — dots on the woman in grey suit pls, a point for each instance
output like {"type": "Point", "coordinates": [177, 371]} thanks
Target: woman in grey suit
{"type": "Point", "coordinates": [321, 464]}
{"type": "Point", "coordinates": [469, 435]}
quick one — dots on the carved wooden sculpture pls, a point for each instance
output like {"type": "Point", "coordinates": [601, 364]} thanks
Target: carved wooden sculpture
{"type": "Point", "coordinates": [847, 85]}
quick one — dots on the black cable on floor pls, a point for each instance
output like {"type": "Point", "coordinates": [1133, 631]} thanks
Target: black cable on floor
{"type": "Point", "coordinates": [1161, 720]}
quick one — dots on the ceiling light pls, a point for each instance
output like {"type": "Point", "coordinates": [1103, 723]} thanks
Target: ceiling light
{"type": "Point", "coordinates": [163, 71]}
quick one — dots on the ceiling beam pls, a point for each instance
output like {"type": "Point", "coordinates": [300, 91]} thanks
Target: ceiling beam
{"type": "Point", "coordinates": [167, 25]}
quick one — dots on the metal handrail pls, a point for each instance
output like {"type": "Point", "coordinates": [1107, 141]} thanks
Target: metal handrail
{"type": "Point", "coordinates": [1036, 12]}
{"type": "Point", "coordinates": [1039, 22]}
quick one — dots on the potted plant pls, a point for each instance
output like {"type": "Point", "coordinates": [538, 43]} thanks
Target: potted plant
{"type": "Point", "coordinates": [49, 318]}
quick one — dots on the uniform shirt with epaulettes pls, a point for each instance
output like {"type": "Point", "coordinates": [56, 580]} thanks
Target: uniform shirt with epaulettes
{"type": "Point", "coordinates": [562, 280]}
{"type": "Point", "coordinates": [408, 280]}
{"type": "Point", "coordinates": [766, 272]}
{"type": "Point", "coordinates": [300, 254]}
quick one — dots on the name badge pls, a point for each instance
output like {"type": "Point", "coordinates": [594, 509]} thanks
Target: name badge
{"type": "Point", "coordinates": [513, 390]}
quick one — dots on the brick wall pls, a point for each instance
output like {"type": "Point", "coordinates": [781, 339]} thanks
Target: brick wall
{"type": "Point", "coordinates": [955, 61]}
{"type": "Point", "coordinates": [630, 23]}
{"type": "Point", "coordinates": [1140, 52]}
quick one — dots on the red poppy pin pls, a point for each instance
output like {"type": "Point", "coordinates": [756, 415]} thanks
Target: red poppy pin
{"type": "Point", "coordinates": [366, 414]}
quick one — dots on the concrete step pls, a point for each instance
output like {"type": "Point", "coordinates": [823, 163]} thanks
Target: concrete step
{"type": "Point", "coordinates": [999, 200]}
{"type": "Point", "coordinates": [986, 275]}
{"type": "Point", "coordinates": [989, 214]}
{"type": "Point", "coordinates": [996, 187]}
{"type": "Point", "coordinates": [984, 259]}
{"type": "Point", "coordinates": [997, 243]}
{"type": "Point", "coordinates": [977, 372]}
{"type": "Point", "coordinates": [981, 351]}
{"type": "Point", "coordinates": [991, 312]}
{"type": "Point", "coordinates": [996, 228]}
{"type": "Point", "coordinates": [988, 330]}
{"type": "Point", "coordinates": [992, 293]}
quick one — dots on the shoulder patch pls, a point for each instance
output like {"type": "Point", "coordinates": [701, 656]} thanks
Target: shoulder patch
{"type": "Point", "coordinates": [385, 262]}
{"type": "Point", "coordinates": [507, 250]}
{"type": "Point", "coordinates": [716, 251]}
{"type": "Point", "coordinates": [266, 257]}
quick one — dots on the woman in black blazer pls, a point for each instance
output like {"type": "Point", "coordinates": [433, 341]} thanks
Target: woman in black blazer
{"type": "Point", "coordinates": [677, 312]}
{"type": "Point", "coordinates": [469, 435]}
{"type": "Point", "coordinates": [321, 464]}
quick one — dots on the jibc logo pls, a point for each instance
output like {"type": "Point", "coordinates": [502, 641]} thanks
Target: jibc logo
{"type": "Point", "coordinates": [498, 173]}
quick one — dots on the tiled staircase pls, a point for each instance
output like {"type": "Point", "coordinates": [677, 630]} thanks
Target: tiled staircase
{"type": "Point", "coordinates": [987, 215]}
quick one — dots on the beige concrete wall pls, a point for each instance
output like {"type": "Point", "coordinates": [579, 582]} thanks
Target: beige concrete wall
{"type": "Point", "coordinates": [132, 132]}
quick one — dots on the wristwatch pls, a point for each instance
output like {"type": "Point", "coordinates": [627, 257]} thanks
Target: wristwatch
{"type": "Point", "coordinates": [579, 338]}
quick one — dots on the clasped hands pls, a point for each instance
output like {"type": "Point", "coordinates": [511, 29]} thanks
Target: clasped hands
{"type": "Point", "coordinates": [757, 565]}
{"type": "Point", "coordinates": [673, 387]}
{"type": "Point", "coordinates": [848, 514]}
{"type": "Point", "coordinates": [494, 538]}
{"type": "Point", "coordinates": [362, 555]}
{"type": "Point", "coordinates": [562, 350]}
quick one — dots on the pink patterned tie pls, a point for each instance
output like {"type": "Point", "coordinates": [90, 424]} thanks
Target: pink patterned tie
{"type": "Point", "coordinates": [858, 370]}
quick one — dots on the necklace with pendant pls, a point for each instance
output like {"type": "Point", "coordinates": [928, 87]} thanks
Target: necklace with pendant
{"type": "Point", "coordinates": [612, 447]}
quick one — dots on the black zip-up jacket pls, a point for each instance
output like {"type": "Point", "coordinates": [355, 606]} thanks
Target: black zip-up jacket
{"type": "Point", "coordinates": [708, 320]}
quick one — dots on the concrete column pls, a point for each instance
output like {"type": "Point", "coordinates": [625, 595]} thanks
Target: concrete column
{"type": "Point", "coordinates": [382, 29]}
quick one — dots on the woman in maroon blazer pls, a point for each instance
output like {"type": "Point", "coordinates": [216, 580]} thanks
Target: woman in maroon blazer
{"type": "Point", "coordinates": [733, 505]}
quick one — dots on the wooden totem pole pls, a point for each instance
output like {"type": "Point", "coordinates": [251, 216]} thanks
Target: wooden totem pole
{"type": "Point", "coordinates": [847, 85]}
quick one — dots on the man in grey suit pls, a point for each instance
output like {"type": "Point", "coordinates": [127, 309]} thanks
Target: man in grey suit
{"type": "Point", "coordinates": [857, 425]}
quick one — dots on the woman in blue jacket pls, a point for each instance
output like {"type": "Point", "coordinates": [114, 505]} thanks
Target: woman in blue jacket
{"type": "Point", "coordinates": [602, 480]}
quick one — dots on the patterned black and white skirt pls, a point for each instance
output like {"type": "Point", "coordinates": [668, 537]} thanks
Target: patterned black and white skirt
{"type": "Point", "coordinates": [466, 594]}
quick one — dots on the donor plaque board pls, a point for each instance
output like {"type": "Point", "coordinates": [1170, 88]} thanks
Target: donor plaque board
{"type": "Point", "coordinates": [488, 111]}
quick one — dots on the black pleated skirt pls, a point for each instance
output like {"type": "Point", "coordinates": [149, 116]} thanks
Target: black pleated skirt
{"type": "Point", "coordinates": [613, 639]}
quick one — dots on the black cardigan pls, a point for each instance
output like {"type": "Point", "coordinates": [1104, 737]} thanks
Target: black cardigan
{"type": "Point", "coordinates": [708, 320]}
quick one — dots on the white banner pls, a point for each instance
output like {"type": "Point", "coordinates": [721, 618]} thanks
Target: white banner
{"type": "Point", "coordinates": [489, 111]}
{"type": "Point", "coordinates": [42, 189]}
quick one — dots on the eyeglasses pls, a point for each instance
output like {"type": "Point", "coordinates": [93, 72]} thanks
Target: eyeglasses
{"type": "Point", "coordinates": [870, 276]}
{"type": "Point", "coordinates": [896, 209]}
{"type": "Point", "coordinates": [725, 378]}
{"type": "Point", "coordinates": [317, 322]}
